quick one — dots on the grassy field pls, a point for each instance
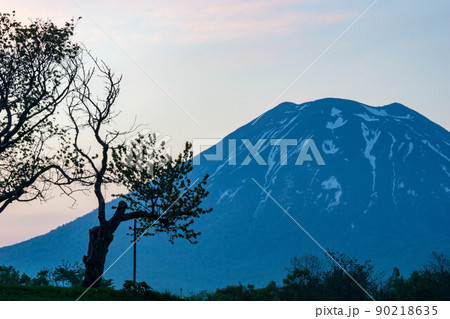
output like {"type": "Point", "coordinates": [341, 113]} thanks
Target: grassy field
{"type": "Point", "coordinates": [24, 293]}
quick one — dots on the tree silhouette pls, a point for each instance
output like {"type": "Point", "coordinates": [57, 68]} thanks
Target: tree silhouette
{"type": "Point", "coordinates": [38, 66]}
{"type": "Point", "coordinates": [160, 193]}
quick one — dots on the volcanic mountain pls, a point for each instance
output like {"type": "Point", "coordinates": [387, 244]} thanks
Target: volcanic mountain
{"type": "Point", "coordinates": [371, 182]}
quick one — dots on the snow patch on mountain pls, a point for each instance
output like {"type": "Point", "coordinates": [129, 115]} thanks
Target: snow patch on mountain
{"type": "Point", "coordinates": [328, 147]}
{"type": "Point", "coordinates": [338, 123]}
{"type": "Point", "coordinates": [427, 143]}
{"type": "Point", "coordinates": [411, 192]}
{"type": "Point", "coordinates": [230, 193]}
{"type": "Point", "coordinates": [371, 202]}
{"type": "Point", "coordinates": [371, 137]}
{"type": "Point", "coordinates": [335, 111]}
{"type": "Point", "coordinates": [375, 111]}
{"type": "Point", "coordinates": [366, 117]}
{"type": "Point", "coordinates": [333, 184]}
{"type": "Point", "coordinates": [410, 149]}
{"type": "Point", "coordinates": [272, 162]}
{"type": "Point", "coordinates": [391, 149]}
{"type": "Point", "coordinates": [406, 117]}
{"type": "Point", "coordinates": [394, 174]}
{"type": "Point", "coordinates": [292, 120]}
{"type": "Point", "coordinates": [445, 170]}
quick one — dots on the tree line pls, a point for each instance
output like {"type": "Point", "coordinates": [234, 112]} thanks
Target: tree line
{"type": "Point", "coordinates": [315, 279]}
{"type": "Point", "coordinates": [307, 278]}
{"type": "Point", "coordinates": [64, 275]}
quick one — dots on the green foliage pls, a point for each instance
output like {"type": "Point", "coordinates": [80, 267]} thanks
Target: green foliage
{"type": "Point", "coordinates": [235, 293]}
{"type": "Point", "coordinates": [304, 278]}
{"type": "Point", "coordinates": [67, 275]}
{"type": "Point", "coordinates": [203, 295]}
{"type": "Point", "coordinates": [339, 284]}
{"type": "Point", "coordinates": [25, 280]}
{"type": "Point", "coordinates": [71, 294]}
{"type": "Point", "coordinates": [42, 278]}
{"type": "Point", "coordinates": [431, 282]}
{"type": "Point", "coordinates": [136, 288]}
{"type": "Point", "coordinates": [160, 188]}
{"type": "Point", "coordinates": [9, 276]}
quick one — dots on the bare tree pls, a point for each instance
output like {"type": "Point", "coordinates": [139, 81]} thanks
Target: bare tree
{"type": "Point", "coordinates": [160, 194]}
{"type": "Point", "coordinates": [38, 66]}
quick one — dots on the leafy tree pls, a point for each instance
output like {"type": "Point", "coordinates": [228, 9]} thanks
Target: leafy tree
{"type": "Point", "coordinates": [9, 276]}
{"type": "Point", "coordinates": [67, 274]}
{"type": "Point", "coordinates": [25, 280]}
{"type": "Point", "coordinates": [41, 279]}
{"type": "Point", "coordinates": [432, 281]}
{"type": "Point", "coordinates": [395, 287]}
{"type": "Point", "coordinates": [160, 195]}
{"type": "Point", "coordinates": [304, 278]}
{"type": "Point", "coordinates": [270, 292]}
{"type": "Point", "coordinates": [38, 67]}
{"type": "Point", "coordinates": [236, 293]}
{"type": "Point", "coordinates": [341, 287]}
{"type": "Point", "coordinates": [64, 275]}
{"type": "Point", "coordinates": [439, 263]}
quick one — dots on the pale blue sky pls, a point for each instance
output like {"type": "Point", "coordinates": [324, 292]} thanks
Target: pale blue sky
{"type": "Point", "coordinates": [227, 61]}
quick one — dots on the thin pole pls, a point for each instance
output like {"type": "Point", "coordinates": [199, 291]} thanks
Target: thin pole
{"type": "Point", "coordinates": [134, 253]}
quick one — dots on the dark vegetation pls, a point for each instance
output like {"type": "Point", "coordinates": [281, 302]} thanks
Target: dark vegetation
{"type": "Point", "coordinates": [312, 278]}
{"type": "Point", "coordinates": [64, 283]}
{"type": "Point", "coordinates": [38, 68]}
{"type": "Point", "coordinates": [308, 278]}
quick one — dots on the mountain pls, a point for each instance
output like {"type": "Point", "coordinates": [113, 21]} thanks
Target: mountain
{"type": "Point", "coordinates": [383, 195]}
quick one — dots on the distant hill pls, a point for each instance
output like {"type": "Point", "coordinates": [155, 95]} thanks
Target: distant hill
{"type": "Point", "coordinates": [384, 195]}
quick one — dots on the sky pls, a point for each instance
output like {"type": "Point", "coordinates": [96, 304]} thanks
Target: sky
{"type": "Point", "coordinates": [203, 68]}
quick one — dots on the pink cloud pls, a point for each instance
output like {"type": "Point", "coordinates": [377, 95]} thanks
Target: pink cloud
{"type": "Point", "coordinates": [201, 20]}
{"type": "Point", "coordinates": [189, 20]}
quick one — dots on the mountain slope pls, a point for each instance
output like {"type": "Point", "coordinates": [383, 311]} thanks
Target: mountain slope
{"type": "Point", "coordinates": [383, 194]}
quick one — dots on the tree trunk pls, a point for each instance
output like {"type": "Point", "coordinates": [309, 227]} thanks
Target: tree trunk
{"type": "Point", "coordinates": [100, 237]}
{"type": "Point", "coordinates": [99, 241]}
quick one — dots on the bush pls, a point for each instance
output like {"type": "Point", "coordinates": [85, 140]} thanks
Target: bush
{"type": "Point", "coordinates": [136, 288]}
{"type": "Point", "coordinates": [9, 276]}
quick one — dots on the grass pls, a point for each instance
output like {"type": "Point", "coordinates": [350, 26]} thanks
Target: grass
{"type": "Point", "coordinates": [29, 293]}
